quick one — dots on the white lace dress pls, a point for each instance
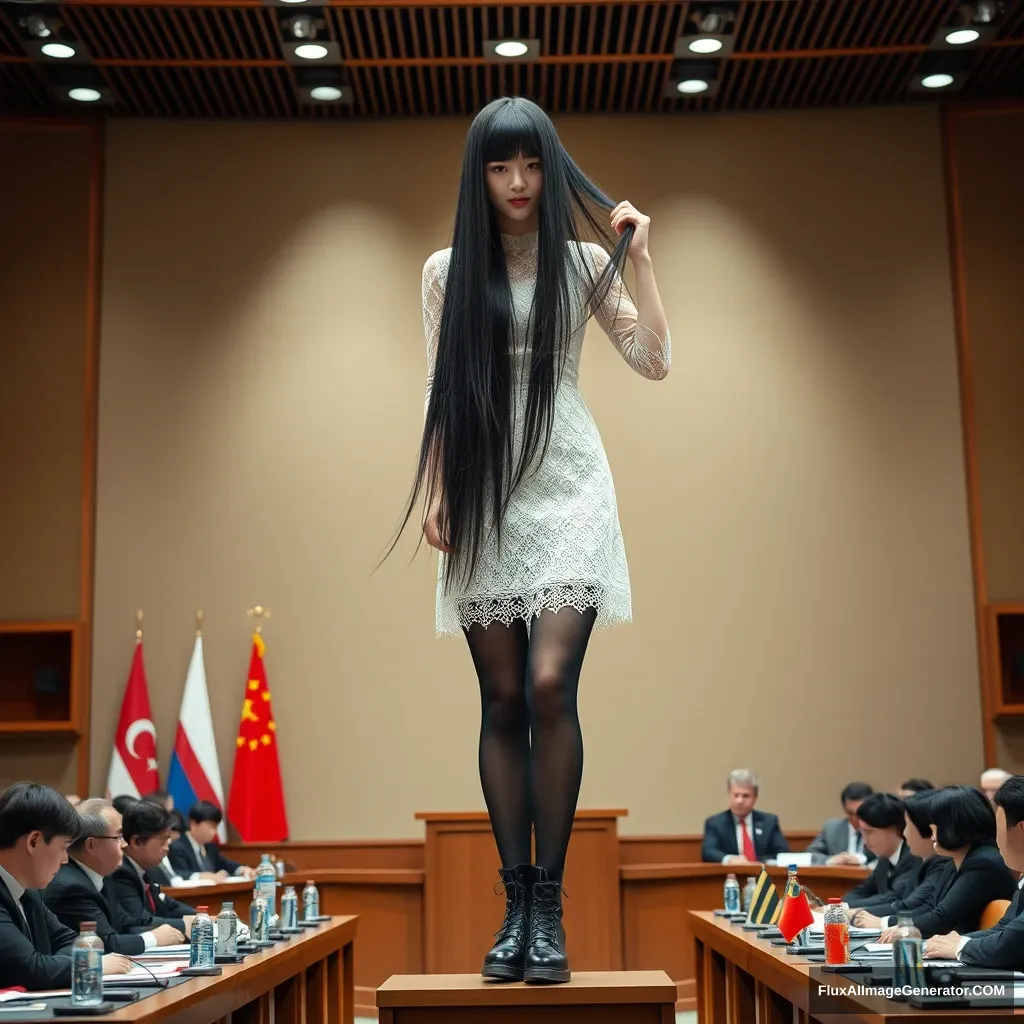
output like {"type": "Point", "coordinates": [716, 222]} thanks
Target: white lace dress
{"type": "Point", "coordinates": [561, 544]}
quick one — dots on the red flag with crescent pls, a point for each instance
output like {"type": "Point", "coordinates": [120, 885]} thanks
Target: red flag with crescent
{"type": "Point", "coordinates": [133, 766]}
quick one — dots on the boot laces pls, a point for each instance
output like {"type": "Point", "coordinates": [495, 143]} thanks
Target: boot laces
{"type": "Point", "coordinates": [515, 908]}
{"type": "Point", "coordinates": [544, 921]}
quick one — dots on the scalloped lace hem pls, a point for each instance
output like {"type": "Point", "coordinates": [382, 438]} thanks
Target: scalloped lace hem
{"type": "Point", "coordinates": [612, 610]}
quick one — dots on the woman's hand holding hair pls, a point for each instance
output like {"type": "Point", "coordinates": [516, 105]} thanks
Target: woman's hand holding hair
{"type": "Point", "coordinates": [624, 214]}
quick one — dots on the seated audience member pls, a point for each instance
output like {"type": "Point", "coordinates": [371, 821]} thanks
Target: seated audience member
{"type": "Point", "coordinates": [840, 842]}
{"type": "Point", "coordinates": [741, 834]}
{"type": "Point", "coordinates": [881, 824]}
{"type": "Point", "coordinates": [161, 797]}
{"type": "Point", "coordinates": [991, 780]}
{"type": "Point", "coordinates": [1002, 945]}
{"type": "Point", "coordinates": [197, 855]}
{"type": "Point", "coordinates": [82, 890]}
{"type": "Point", "coordinates": [145, 827]}
{"type": "Point", "coordinates": [37, 824]}
{"type": "Point", "coordinates": [964, 827]}
{"type": "Point", "coordinates": [912, 786]}
{"type": "Point", "coordinates": [918, 836]}
{"type": "Point", "coordinates": [164, 873]}
{"type": "Point", "coordinates": [121, 802]}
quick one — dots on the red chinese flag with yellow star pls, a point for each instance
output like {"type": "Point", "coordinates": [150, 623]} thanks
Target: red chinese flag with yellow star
{"type": "Point", "coordinates": [256, 801]}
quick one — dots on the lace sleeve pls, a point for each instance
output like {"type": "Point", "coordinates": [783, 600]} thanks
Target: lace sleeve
{"type": "Point", "coordinates": [641, 347]}
{"type": "Point", "coordinates": [433, 304]}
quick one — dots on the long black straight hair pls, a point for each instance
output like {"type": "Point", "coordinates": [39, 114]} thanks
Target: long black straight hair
{"type": "Point", "coordinates": [467, 458]}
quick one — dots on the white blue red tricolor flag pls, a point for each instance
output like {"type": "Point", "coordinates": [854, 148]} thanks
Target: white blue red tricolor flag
{"type": "Point", "coordinates": [195, 771]}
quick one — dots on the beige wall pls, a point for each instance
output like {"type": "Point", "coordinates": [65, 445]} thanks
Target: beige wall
{"type": "Point", "coordinates": [792, 496]}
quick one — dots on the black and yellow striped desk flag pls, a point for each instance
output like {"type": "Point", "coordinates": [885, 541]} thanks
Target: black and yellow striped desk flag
{"type": "Point", "coordinates": [765, 905]}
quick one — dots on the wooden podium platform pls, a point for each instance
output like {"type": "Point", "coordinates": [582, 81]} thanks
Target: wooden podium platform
{"type": "Point", "coordinates": [605, 997]}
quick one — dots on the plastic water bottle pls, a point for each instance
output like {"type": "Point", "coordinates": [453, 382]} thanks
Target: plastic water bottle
{"type": "Point", "coordinates": [310, 902]}
{"type": "Point", "coordinates": [266, 884]}
{"type": "Point", "coordinates": [290, 909]}
{"type": "Point", "coordinates": [732, 895]}
{"type": "Point", "coordinates": [907, 968]}
{"type": "Point", "coordinates": [227, 931]}
{"type": "Point", "coordinates": [259, 919]}
{"type": "Point", "coordinates": [748, 892]}
{"type": "Point", "coordinates": [201, 954]}
{"type": "Point", "coordinates": [837, 933]}
{"type": "Point", "coordinates": [87, 967]}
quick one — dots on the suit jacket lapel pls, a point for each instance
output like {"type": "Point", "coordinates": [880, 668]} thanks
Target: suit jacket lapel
{"type": "Point", "coordinates": [12, 908]}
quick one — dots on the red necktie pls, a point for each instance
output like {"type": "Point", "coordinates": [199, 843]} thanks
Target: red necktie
{"type": "Point", "coordinates": [748, 843]}
{"type": "Point", "coordinates": [149, 897]}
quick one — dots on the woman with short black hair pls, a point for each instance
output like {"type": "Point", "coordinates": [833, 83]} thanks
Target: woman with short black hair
{"type": "Point", "coordinates": [918, 837]}
{"type": "Point", "coordinates": [964, 830]}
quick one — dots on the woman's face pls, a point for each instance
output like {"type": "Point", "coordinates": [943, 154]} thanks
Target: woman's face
{"type": "Point", "coordinates": [919, 845]}
{"type": "Point", "coordinates": [514, 188]}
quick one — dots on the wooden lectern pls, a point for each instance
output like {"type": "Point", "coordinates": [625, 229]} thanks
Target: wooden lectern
{"type": "Point", "coordinates": [462, 911]}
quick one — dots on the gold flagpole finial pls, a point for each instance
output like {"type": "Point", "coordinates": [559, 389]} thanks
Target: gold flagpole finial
{"type": "Point", "coordinates": [259, 613]}
{"type": "Point", "coordinates": [138, 624]}
{"type": "Point", "coordinates": [199, 622]}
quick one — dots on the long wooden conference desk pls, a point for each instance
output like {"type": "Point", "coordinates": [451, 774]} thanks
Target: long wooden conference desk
{"type": "Point", "coordinates": [305, 980]}
{"type": "Point", "coordinates": [650, 929]}
{"type": "Point", "coordinates": [742, 979]}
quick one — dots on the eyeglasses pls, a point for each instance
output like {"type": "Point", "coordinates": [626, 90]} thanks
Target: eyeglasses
{"type": "Point", "coordinates": [119, 837]}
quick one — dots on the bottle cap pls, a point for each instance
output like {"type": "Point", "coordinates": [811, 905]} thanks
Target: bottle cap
{"type": "Point", "coordinates": [227, 905]}
{"type": "Point", "coordinates": [87, 926]}
{"type": "Point", "coordinates": [310, 882]}
{"type": "Point", "coordinates": [835, 899]}
{"type": "Point", "coordinates": [201, 910]}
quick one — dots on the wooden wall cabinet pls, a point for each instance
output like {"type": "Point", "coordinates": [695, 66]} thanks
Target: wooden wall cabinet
{"type": "Point", "coordinates": [40, 677]}
{"type": "Point", "coordinates": [1004, 639]}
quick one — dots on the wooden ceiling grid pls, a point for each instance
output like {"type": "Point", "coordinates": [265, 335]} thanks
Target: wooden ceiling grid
{"type": "Point", "coordinates": [223, 58]}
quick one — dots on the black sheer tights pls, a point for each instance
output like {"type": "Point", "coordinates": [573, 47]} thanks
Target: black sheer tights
{"type": "Point", "coordinates": [531, 746]}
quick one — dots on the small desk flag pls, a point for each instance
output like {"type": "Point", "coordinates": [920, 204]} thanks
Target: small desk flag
{"type": "Point", "coordinates": [765, 905]}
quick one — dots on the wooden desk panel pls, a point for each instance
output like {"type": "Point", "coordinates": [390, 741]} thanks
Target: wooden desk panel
{"type": "Point", "coordinates": [656, 904]}
{"type": "Point", "coordinates": [387, 901]}
{"type": "Point", "coordinates": [312, 970]}
{"type": "Point", "coordinates": [743, 979]}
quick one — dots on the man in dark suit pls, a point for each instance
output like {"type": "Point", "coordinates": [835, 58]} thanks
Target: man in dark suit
{"type": "Point", "coordinates": [146, 828]}
{"type": "Point", "coordinates": [197, 855]}
{"type": "Point", "coordinates": [881, 824]}
{"type": "Point", "coordinates": [741, 834]}
{"type": "Point", "coordinates": [840, 841]}
{"type": "Point", "coordinates": [1002, 945]}
{"type": "Point", "coordinates": [82, 890]}
{"type": "Point", "coordinates": [36, 826]}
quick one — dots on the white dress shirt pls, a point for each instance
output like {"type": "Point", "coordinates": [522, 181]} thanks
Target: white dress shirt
{"type": "Point", "coordinates": [97, 879]}
{"type": "Point", "coordinates": [16, 889]}
{"type": "Point", "coordinates": [172, 876]}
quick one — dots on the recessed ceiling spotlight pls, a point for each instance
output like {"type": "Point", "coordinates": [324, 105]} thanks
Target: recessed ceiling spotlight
{"type": "Point", "coordinates": [504, 50]}
{"type": "Point", "coordinates": [84, 95]}
{"type": "Point", "coordinates": [692, 86]}
{"type": "Point", "coordinates": [963, 36]}
{"type": "Point", "coordinates": [511, 48]}
{"type": "Point", "coordinates": [61, 51]}
{"type": "Point", "coordinates": [311, 51]}
{"type": "Point", "coordinates": [938, 81]}
{"type": "Point", "coordinates": [326, 93]}
{"type": "Point", "coordinates": [705, 44]}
